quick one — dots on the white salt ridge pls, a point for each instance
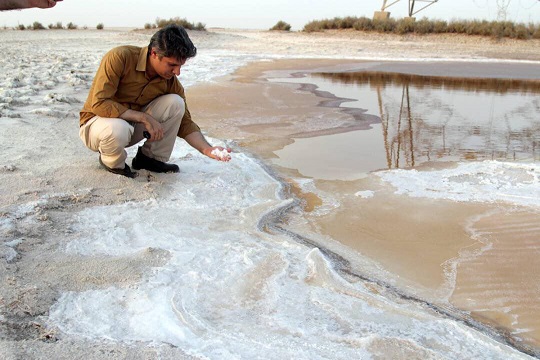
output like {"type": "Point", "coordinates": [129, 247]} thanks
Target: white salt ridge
{"type": "Point", "coordinates": [55, 113]}
{"type": "Point", "coordinates": [365, 194]}
{"type": "Point", "coordinates": [8, 168]}
{"type": "Point", "coordinates": [484, 182]}
{"type": "Point", "coordinates": [230, 291]}
{"type": "Point", "coordinates": [7, 251]}
{"type": "Point", "coordinates": [58, 97]}
{"type": "Point", "coordinates": [25, 213]}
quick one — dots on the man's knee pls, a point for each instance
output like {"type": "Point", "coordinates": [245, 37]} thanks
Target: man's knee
{"type": "Point", "coordinates": [174, 104]}
{"type": "Point", "coordinates": [177, 103]}
{"type": "Point", "coordinates": [166, 107]}
{"type": "Point", "coordinates": [116, 133]}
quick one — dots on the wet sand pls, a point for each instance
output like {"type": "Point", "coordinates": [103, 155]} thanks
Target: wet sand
{"type": "Point", "coordinates": [479, 258]}
{"type": "Point", "coordinates": [497, 278]}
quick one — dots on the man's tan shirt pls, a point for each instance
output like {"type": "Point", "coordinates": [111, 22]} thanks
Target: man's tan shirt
{"type": "Point", "coordinates": [121, 83]}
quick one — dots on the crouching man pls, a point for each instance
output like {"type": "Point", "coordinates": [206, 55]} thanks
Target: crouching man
{"type": "Point", "coordinates": [136, 94]}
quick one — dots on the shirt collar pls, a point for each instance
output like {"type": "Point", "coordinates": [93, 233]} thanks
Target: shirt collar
{"type": "Point", "coordinates": [141, 63]}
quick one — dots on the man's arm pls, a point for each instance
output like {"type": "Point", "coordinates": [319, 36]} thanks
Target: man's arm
{"type": "Point", "coordinates": [25, 4]}
{"type": "Point", "coordinates": [153, 126]}
{"type": "Point", "coordinates": [198, 142]}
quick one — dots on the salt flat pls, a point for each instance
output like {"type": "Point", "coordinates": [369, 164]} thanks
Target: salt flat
{"type": "Point", "coordinates": [172, 266]}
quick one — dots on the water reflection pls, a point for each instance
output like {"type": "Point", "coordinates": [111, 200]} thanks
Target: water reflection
{"type": "Point", "coordinates": [427, 118]}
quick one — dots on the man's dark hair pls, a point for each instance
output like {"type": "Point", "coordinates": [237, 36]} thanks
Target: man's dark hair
{"type": "Point", "coordinates": [172, 41]}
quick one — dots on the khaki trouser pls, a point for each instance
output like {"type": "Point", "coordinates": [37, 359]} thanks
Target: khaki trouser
{"type": "Point", "coordinates": [110, 136]}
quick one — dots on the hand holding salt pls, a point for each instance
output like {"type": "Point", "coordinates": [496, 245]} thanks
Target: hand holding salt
{"type": "Point", "coordinates": [221, 154]}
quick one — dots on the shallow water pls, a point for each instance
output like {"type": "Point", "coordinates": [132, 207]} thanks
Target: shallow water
{"type": "Point", "coordinates": [421, 119]}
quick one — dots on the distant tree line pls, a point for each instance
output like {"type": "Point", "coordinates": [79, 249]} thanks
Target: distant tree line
{"type": "Point", "coordinates": [498, 29]}
{"type": "Point", "coordinates": [160, 23]}
{"type": "Point", "coordinates": [58, 26]}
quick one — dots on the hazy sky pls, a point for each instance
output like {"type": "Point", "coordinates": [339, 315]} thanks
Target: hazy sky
{"type": "Point", "coordinates": [256, 14]}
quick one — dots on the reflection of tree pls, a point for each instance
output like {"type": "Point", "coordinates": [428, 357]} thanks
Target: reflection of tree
{"type": "Point", "coordinates": [437, 129]}
{"type": "Point", "coordinates": [488, 85]}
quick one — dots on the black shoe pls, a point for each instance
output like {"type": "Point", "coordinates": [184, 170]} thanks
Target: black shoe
{"type": "Point", "coordinates": [126, 171]}
{"type": "Point", "coordinates": [141, 161]}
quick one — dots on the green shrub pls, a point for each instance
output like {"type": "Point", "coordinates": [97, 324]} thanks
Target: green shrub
{"type": "Point", "coordinates": [405, 26]}
{"type": "Point", "coordinates": [345, 23]}
{"type": "Point", "coordinates": [282, 26]}
{"type": "Point", "coordinates": [99, 26]}
{"type": "Point", "coordinates": [440, 26]}
{"type": "Point", "coordinates": [476, 27]}
{"type": "Point", "coordinates": [387, 25]}
{"type": "Point", "coordinates": [160, 23]}
{"type": "Point", "coordinates": [200, 27]}
{"type": "Point", "coordinates": [532, 29]}
{"type": "Point", "coordinates": [58, 25]}
{"type": "Point", "coordinates": [457, 27]}
{"type": "Point", "coordinates": [507, 29]}
{"type": "Point", "coordinates": [498, 29]}
{"type": "Point", "coordinates": [21, 27]}
{"type": "Point", "coordinates": [424, 26]}
{"type": "Point", "coordinates": [313, 26]}
{"type": "Point", "coordinates": [310, 27]}
{"type": "Point", "coordinates": [37, 26]}
{"type": "Point", "coordinates": [471, 28]}
{"type": "Point", "coordinates": [521, 32]}
{"type": "Point", "coordinates": [363, 24]}
{"type": "Point", "coordinates": [486, 28]}
{"type": "Point", "coordinates": [71, 26]}
{"type": "Point", "coordinates": [326, 24]}
{"type": "Point", "coordinates": [350, 22]}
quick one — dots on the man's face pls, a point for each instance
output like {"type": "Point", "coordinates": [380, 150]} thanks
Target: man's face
{"type": "Point", "coordinates": [166, 67]}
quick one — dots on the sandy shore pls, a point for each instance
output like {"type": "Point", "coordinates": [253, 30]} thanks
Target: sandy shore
{"type": "Point", "coordinates": [43, 158]}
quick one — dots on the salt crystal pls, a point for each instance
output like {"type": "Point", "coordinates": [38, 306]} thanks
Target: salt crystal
{"type": "Point", "coordinates": [221, 154]}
